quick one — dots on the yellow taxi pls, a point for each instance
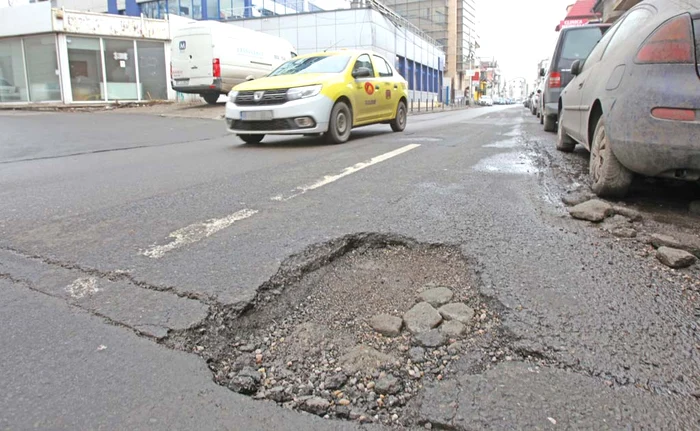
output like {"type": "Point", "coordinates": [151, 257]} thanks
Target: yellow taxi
{"type": "Point", "coordinates": [324, 93]}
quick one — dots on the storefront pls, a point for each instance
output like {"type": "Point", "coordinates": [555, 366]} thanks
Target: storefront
{"type": "Point", "coordinates": [78, 57]}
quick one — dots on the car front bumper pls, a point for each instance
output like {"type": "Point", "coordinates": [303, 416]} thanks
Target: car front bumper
{"type": "Point", "coordinates": [317, 108]}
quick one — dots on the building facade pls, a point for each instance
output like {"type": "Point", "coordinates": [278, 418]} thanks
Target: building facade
{"type": "Point", "coordinates": [53, 55]}
{"type": "Point", "coordinates": [453, 24]}
{"type": "Point", "coordinates": [417, 58]}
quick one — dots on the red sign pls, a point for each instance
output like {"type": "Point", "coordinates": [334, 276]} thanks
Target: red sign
{"type": "Point", "coordinates": [573, 22]}
{"type": "Point", "coordinates": [369, 88]}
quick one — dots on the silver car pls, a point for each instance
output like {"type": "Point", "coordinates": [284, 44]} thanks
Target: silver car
{"type": "Point", "coordinates": [634, 103]}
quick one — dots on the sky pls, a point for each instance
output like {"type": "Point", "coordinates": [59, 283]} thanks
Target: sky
{"type": "Point", "coordinates": [519, 33]}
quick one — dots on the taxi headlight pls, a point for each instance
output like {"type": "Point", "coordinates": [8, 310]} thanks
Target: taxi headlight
{"type": "Point", "coordinates": [303, 92]}
{"type": "Point", "coordinates": [232, 96]}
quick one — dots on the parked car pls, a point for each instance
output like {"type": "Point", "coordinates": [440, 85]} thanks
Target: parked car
{"type": "Point", "coordinates": [574, 43]}
{"type": "Point", "coordinates": [535, 103]}
{"type": "Point", "coordinates": [326, 92]}
{"type": "Point", "coordinates": [209, 58]}
{"type": "Point", "coordinates": [528, 100]}
{"type": "Point", "coordinates": [486, 101]}
{"type": "Point", "coordinates": [634, 103]}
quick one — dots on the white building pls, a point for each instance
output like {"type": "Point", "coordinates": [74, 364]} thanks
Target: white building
{"type": "Point", "coordinates": [52, 55]}
{"type": "Point", "coordinates": [56, 55]}
{"type": "Point", "coordinates": [417, 58]}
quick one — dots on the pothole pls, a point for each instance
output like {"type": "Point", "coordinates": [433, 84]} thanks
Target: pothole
{"type": "Point", "coordinates": [353, 329]}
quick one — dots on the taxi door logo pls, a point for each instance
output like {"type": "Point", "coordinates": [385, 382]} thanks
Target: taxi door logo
{"type": "Point", "coordinates": [369, 88]}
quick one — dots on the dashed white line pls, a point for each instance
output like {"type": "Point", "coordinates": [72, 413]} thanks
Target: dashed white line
{"type": "Point", "coordinates": [347, 171]}
{"type": "Point", "coordinates": [197, 232]}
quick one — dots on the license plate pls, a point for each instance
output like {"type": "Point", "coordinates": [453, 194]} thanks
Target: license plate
{"type": "Point", "coordinates": [182, 81]}
{"type": "Point", "coordinates": [256, 115]}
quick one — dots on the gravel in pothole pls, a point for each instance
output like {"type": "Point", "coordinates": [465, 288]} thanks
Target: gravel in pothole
{"type": "Point", "coordinates": [311, 345]}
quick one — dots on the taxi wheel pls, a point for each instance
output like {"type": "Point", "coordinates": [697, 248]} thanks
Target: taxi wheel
{"type": "Point", "coordinates": [398, 124]}
{"type": "Point", "coordinates": [251, 139]}
{"type": "Point", "coordinates": [340, 124]}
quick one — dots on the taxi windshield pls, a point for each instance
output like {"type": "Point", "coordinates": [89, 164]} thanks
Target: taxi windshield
{"type": "Point", "coordinates": [317, 64]}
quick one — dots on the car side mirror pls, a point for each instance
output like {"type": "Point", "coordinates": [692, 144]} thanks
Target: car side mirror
{"type": "Point", "coordinates": [361, 72]}
{"type": "Point", "coordinates": [576, 68]}
{"type": "Point", "coordinates": [542, 72]}
{"type": "Point", "coordinates": [539, 91]}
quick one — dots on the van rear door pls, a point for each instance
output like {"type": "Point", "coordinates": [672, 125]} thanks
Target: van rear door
{"type": "Point", "coordinates": [192, 56]}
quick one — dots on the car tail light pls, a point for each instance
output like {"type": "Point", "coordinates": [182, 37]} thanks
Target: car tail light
{"type": "Point", "coordinates": [217, 68]}
{"type": "Point", "coordinates": [555, 80]}
{"type": "Point", "coordinates": [675, 114]}
{"type": "Point", "coordinates": [670, 43]}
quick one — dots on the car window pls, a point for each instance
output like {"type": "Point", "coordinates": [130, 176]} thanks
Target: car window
{"type": "Point", "coordinates": [382, 66]}
{"type": "Point", "coordinates": [364, 61]}
{"type": "Point", "coordinates": [577, 45]}
{"type": "Point", "coordinates": [317, 64]}
{"type": "Point", "coordinates": [629, 24]}
{"type": "Point", "coordinates": [597, 52]}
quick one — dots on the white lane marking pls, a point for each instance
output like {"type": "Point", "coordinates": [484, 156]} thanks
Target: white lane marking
{"type": "Point", "coordinates": [82, 287]}
{"type": "Point", "coordinates": [197, 232]}
{"type": "Point", "coordinates": [347, 171]}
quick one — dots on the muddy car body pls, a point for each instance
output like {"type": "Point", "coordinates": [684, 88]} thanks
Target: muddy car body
{"type": "Point", "coordinates": [635, 101]}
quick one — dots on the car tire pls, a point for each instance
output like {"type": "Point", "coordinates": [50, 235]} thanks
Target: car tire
{"type": "Point", "coordinates": [550, 123]}
{"type": "Point", "coordinates": [340, 124]}
{"type": "Point", "coordinates": [398, 124]}
{"type": "Point", "coordinates": [210, 98]}
{"type": "Point", "coordinates": [564, 142]}
{"type": "Point", "coordinates": [608, 177]}
{"type": "Point", "coordinates": [540, 116]}
{"type": "Point", "coordinates": [251, 139]}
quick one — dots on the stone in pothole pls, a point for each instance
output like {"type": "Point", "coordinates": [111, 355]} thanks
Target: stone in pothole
{"type": "Point", "coordinates": [386, 325]}
{"type": "Point", "coordinates": [417, 355]}
{"type": "Point", "coordinates": [674, 257]}
{"type": "Point", "coordinates": [437, 296]}
{"type": "Point", "coordinates": [432, 338]}
{"type": "Point", "coordinates": [631, 214]}
{"type": "Point", "coordinates": [594, 210]}
{"type": "Point", "coordinates": [453, 328]}
{"type": "Point", "coordinates": [315, 405]}
{"type": "Point", "coordinates": [457, 311]}
{"type": "Point", "coordinates": [422, 317]}
{"type": "Point", "coordinates": [387, 385]}
{"type": "Point", "coordinates": [365, 359]}
{"type": "Point", "coordinates": [335, 381]}
{"type": "Point", "coordinates": [246, 382]}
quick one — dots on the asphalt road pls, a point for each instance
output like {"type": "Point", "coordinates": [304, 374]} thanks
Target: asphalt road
{"type": "Point", "coordinates": [114, 223]}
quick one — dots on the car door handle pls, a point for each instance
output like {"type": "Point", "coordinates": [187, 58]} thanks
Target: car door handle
{"type": "Point", "coordinates": [376, 87]}
{"type": "Point", "coordinates": [580, 86]}
{"type": "Point", "coordinates": [396, 87]}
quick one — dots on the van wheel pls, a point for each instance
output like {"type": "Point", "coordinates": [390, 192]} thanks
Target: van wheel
{"type": "Point", "coordinates": [340, 124]}
{"type": "Point", "coordinates": [398, 124]}
{"type": "Point", "coordinates": [251, 139]}
{"type": "Point", "coordinates": [210, 98]}
{"type": "Point", "coordinates": [609, 178]}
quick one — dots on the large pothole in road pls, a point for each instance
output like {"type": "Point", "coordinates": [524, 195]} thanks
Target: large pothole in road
{"type": "Point", "coordinates": [350, 329]}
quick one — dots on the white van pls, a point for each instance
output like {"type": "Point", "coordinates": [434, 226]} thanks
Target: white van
{"type": "Point", "coordinates": [209, 58]}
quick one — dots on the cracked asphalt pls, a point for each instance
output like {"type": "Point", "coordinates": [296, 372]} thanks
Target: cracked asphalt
{"type": "Point", "coordinates": [603, 336]}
